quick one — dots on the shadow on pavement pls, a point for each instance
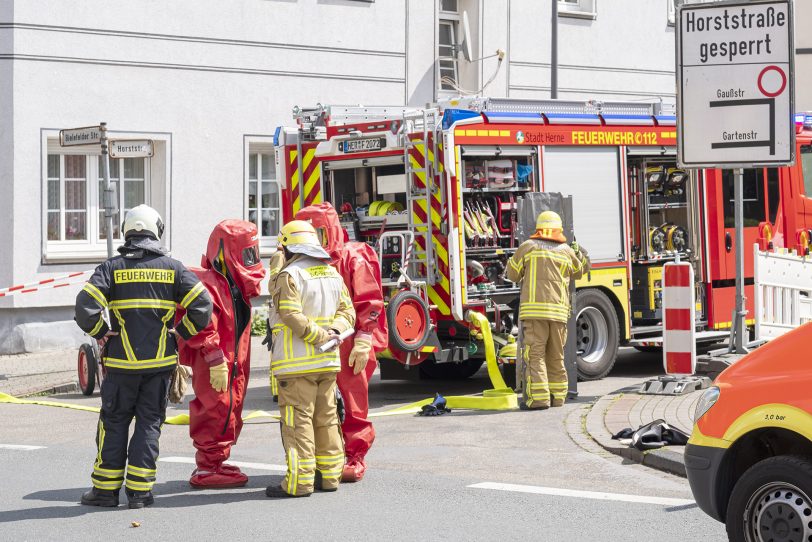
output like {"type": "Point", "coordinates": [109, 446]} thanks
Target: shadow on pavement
{"type": "Point", "coordinates": [172, 494]}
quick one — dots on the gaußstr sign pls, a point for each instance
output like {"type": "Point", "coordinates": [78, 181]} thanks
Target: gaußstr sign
{"type": "Point", "coordinates": [735, 88]}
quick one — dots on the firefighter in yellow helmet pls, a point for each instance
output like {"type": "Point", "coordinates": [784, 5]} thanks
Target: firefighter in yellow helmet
{"type": "Point", "coordinates": [544, 265]}
{"type": "Point", "coordinates": [311, 307]}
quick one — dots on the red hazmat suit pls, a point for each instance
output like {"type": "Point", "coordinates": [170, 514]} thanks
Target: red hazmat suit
{"type": "Point", "coordinates": [232, 272]}
{"type": "Point", "coordinates": [358, 265]}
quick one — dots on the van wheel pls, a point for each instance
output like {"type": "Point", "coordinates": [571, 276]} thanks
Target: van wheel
{"type": "Point", "coordinates": [771, 501]}
{"type": "Point", "coordinates": [597, 334]}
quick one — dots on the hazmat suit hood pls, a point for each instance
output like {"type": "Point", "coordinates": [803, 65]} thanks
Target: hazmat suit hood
{"type": "Point", "coordinates": [233, 250]}
{"type": "Point", "coordinates": [324, 218]}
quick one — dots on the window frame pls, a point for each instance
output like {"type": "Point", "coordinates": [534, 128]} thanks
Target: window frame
{"type": "Point", "coordinates": [582, 9]}
{"type": "Point", "coordinates": [453, 24]}
{"type": "Point", "coordinates": [263, 145]}
{"type": "Point", "coordinates": [94, 249]}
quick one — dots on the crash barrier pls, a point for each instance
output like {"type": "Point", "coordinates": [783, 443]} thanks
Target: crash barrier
{"type": "Point", "coordinates": [679, 336]}
{"type": "Point", "coordinates": [500, 397]}
{"type": "Point", "coordinates": [783, 292]}
{"type": "Point", "coordinates": [62, 281]}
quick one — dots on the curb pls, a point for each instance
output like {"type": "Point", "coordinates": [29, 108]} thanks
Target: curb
{"type": "Point", "coordinates": [48, 389]}
{"type": "Point", "coordinates": [662, 459]}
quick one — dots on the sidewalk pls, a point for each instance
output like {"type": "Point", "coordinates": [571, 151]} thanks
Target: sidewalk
{"type": "Point", "coordinates": [627, 408]}
{"type": "Point", "coordinates": [40, 372]}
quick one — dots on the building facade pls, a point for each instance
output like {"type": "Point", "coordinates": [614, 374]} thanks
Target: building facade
{"type": "Point", "coordinates": [209, 82]}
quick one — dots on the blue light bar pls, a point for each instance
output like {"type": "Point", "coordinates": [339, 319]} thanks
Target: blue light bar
{"type": "Point", "coordinates": [666, 120]}
{"type": "Point", "coordinates": [514, 117]}
{"type": "Point", "coordinates": [450, 116]}
{"type": "Point", "coordinates": [631, 120]}
{"type": "Point", "coordinates": [572, 118]}
{"type": "Point", "coordinates": [276, 136]}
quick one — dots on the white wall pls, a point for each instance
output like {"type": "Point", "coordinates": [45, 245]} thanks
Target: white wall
{"type": "Point", "coordinates": [619, 55]}
{"type": "Point", "coordinates": [803, 60]}
{"type": "Point", "coordinates": [205, 73]}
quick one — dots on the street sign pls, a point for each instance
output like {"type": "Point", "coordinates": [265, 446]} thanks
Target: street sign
{"type": "Point", "coordinates": [131, 148]}
{"type": "Point", "coordinates": [90, 135]}
{"type": "Point", "coordinates": [735, 90]}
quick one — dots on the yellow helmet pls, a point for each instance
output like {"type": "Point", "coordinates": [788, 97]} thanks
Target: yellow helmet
{"type": "Point", "coordinates": [299, 237]}
{"type": "Point", "coordinates": [549, 226]}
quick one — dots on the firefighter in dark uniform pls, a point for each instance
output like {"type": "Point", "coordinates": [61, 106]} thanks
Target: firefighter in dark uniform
{"type": "Point", "coordinates": [141, 289]}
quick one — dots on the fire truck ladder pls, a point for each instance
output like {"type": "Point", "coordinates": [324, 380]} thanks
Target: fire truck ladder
{"type": "Point", "coordinates": [569, 107]}
{"type": "Point", "coordinates": [425, 123]}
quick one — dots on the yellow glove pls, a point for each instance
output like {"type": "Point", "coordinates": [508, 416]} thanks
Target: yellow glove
{"type": "Point", "coordinates": [360, 352]}
{"type": "Point", "coordinates": [218, 376]}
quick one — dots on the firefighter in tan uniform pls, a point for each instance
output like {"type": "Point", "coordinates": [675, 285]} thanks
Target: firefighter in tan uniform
{"type": "Point", "coordinates": [311, 306]}
{"type": "Point", "coordinates": [544, 265]}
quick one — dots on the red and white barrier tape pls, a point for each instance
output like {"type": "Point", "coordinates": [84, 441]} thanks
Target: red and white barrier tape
{"type": "Point", "coordinates": [54, 282]}
{"type": "Point", "coordinates": [45, 281]}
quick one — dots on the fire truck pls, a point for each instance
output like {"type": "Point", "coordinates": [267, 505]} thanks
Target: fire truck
{"type": "Point", "coordinates": [435, 190]}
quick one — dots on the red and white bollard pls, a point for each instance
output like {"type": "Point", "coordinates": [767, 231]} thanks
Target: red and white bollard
{"type": "Point", "coordinates": [679, 329]}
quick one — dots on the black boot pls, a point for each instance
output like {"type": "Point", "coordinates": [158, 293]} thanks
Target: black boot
{"type": "Point", "coordinates": [101, 497]}
{"type": "Point", "coordinates": [139, 499]}
{"type": "Point", "coordinates": [318, 483]}
{"type": "Point", "coordinates": [276, 492]}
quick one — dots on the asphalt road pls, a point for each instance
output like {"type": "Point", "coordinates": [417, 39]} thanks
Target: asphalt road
{"type": "Point", "coordinates": [463, 476]}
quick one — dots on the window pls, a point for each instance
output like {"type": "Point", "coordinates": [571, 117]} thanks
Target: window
{"type": "Point", "coordinates": [806, 166]}
{"type": "Point", "coordinates": [72, 194]}
{"type": "Point", "coordinates": [75, 204]}
{"type": "Point", "coordinates": [264, 194]}
{"type": "Point", "coordinates": [447, 32]}
{"type": "Point", "coordinates": [753, 195]}
{"type": "Point", "coordinates": [578, 8]}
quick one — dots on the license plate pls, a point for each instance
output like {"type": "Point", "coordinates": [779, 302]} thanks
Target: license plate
{"type": "Point", "coordinates": [363, 145]}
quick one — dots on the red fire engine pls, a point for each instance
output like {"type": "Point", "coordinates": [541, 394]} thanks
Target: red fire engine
{"type": "Point", "coordinates": [435, 190]}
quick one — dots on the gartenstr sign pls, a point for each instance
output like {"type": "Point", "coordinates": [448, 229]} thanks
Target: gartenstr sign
{"type": "Point", "coordinates": [735, 92]}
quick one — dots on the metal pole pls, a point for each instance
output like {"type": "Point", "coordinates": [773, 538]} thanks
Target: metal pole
{"type": "Point", "coordinates": [109, 203]}
{"type": "Point", "coordinates": [554, 51]}
{"type": "Point", "coordinates": [738, 326]}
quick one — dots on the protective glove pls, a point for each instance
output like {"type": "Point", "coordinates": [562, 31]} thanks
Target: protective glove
{"type": "Point", "coordinates": [436, 408]}
{"type": "Point", "coordinates": [574, 246]}
{"type": "Point", "coordinates": [218, 376]}
{"type": "Point", "coordinates": [359, 356]}
{"type": "Point", "coordinates": [321, 337]}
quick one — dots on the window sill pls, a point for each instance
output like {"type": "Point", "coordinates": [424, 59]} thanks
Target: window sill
{"type": "Point", "coordinates": [589, 15]}
{"type": "Point", "coordinates": [95, 257]}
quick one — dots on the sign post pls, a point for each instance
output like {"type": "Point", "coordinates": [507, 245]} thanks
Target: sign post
{"type": "Point", "coordinates": [96, 135]}
{"type": "Point", "coordinates": [735, 98]}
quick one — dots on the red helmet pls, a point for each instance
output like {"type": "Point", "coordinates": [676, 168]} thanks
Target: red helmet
{"type": "Point", "coordinates": [324, 218]}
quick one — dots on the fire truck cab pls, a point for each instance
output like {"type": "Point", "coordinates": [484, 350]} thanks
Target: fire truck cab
{"type": "Point", "coordinates": [435, 190]}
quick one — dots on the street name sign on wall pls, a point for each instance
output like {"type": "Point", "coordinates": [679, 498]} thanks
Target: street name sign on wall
{"type": "Point", "coordinates": [89, 135]}
{"type": "Point", "coordinates": [131, 148]}
{"type": "Point", "coordinates": [735, 84]}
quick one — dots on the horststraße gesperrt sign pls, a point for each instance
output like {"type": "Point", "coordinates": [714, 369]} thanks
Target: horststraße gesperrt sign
{"type": "Point", "coordinates": [735, 84]}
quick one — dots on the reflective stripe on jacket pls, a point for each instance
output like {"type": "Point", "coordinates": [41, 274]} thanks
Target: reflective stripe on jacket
{"type": "Point", "coordinates": [544, 269]}
{"type": "Point", "coordinates": [142, 291]}
{"type": "Point", "coordinates": [308, 298]}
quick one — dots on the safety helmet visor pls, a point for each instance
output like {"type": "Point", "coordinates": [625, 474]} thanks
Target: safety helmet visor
{"type": "Point", "coordinates": [250, 256]}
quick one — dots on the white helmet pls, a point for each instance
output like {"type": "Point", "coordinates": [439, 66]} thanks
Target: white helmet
{"type": "Point", "coordinates": [143, 220]}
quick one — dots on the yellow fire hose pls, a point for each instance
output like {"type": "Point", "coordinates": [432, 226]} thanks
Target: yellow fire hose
{"type": "Point", "coordinates": [500, 397]}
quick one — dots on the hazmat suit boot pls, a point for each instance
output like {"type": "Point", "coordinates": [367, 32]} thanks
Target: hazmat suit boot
{"type": "Point", "coordinates": [223, 477]}
{"type": "Point", "coordinates": [318, 483]}
{"type": "Point", "coordinates": [139, 499]}
{"type": "Point", "coordinates": [353, 470]}
{"type": "Point", "coordinates": [276, 492]}
{"type": "Point", "coordinates": [107, 498]}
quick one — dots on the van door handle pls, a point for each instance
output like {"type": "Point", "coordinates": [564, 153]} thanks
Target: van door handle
{"type": "Point", "coordinates": [728, 241]}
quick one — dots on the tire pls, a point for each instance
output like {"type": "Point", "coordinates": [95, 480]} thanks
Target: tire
{"type": "Point", "coordinates": [773, 499]}
{"type": "Point", "coordinates": [409, 324]}
{"type": "Point", "coordinates": [597, 334]}
{"type": "Point", "coordinates": [450, 371]}
{"type": "Point", "coordinates": [87, 366]}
